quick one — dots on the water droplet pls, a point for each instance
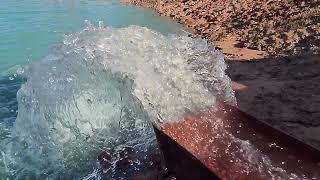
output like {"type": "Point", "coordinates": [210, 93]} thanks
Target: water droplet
{"type": "Point", "coordinates": [101, 25]}
{"type": "Point", "coordinates": [20, 71]}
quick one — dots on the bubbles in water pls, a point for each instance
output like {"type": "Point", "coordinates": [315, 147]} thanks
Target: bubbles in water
{"type": "Point", "coordinates": [97, 94]}
{"type": "Point", "coordinates": [20, 71]}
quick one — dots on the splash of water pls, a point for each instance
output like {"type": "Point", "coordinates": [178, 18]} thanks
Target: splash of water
{"type": "Point", "coordinates": [100, 90]}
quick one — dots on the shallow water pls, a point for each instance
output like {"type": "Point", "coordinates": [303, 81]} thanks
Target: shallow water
{"type": "Point", "coordinates": [97, 89]}
{"type": "Point", "coordinates": [29, 29]}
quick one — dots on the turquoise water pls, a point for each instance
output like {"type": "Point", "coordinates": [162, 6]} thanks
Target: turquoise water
{"type": "Point", "coordinates": [81, 83]}
{"type": "Point", "coordinates": [28, 29]}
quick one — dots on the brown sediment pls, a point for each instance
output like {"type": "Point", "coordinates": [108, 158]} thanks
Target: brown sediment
{"type": "Point", "coordinates": [268, 26]}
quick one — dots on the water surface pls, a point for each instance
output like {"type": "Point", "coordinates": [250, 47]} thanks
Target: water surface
{"type": "Point", "coordinates": [28, 29]}
{"type": "Point", "coordinates": [73, 91]}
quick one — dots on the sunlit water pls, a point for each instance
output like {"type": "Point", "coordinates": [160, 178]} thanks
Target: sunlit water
{"type": "Point", "coordinates": [29, 29]}
{"type": "Point", "coordinates": [95, 88]}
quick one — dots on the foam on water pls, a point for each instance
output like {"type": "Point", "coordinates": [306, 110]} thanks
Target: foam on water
{"type": "Point", "coordinates": [100, 90]}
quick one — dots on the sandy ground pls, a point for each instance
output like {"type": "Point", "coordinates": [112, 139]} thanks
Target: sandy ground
{"type": "Point", "coordinates": [272, 49]}
{"type": "Point", "coordinates": [273, 26]}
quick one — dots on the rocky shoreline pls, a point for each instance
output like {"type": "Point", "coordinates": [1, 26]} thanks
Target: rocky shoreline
{"type": "Point", "coordinates": [281, 39]}
{"type": "Point", "coordinates": [270, 27]}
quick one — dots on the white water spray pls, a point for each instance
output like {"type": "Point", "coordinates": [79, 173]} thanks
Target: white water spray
{"type": "Point", "coordinates": [100, 90]}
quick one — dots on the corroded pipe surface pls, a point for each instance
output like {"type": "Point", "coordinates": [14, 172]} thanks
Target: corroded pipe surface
{"type": "Point", "coordinates": [226, 142]}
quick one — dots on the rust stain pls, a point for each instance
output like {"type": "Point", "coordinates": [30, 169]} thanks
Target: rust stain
{"type": "Point", "coordinates": [233, 145]}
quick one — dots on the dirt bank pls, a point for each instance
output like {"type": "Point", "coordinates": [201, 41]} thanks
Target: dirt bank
{"type": "Point", "coordinates": [272, 26]}
{"type": "Point", "coordinates": [283, 91]}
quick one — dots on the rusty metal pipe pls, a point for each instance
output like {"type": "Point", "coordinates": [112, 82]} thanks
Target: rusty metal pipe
{"type": "Point", "coordinates": [225, 143]}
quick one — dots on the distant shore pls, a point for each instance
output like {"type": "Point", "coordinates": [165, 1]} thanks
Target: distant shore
{"type": "Point", "coordinates": [247, 29]}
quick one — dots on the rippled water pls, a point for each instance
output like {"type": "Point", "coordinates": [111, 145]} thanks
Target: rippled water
{"type": "Point", "coordinates": [98, 89]}
{"type": "Point", "coordinates": [28, 29]}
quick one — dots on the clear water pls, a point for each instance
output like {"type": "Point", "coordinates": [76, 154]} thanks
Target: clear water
{"type": "Point", "coordinates": [97, 88]}
{"type": "Point", "coordinates": [29, 29]}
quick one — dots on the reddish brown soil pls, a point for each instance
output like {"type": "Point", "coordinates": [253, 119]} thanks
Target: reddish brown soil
{"type": "Point", "coordinates": [273, 26]}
